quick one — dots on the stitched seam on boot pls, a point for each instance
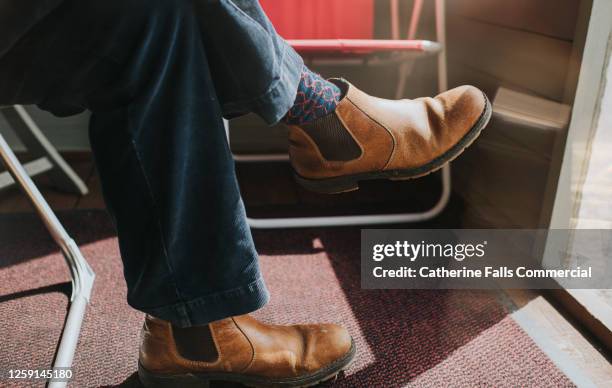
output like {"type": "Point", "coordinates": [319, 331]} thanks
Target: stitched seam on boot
{"type": "Point", "coordinates": [383, 126]}
{"type": "Point", "coordinates": [250, 343]}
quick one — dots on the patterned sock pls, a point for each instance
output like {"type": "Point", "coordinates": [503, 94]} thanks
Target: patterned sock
{"type": "Point", "coordinates": [316, 97]}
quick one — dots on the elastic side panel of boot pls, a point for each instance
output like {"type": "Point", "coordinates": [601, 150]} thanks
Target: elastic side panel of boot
{"type": "Point", "coordinates": [333, 140]}
{"type": "Point", "coordinates": [195, 343]}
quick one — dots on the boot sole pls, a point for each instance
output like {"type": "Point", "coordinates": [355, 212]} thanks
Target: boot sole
{"type": "Point", "coordinates": [346, 183]}
{"type": "Point", "coordinates": [202, 380]}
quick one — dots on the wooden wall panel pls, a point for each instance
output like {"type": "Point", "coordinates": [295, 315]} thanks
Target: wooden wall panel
{"type": "Point", "coordinates": [554, 18]}
{"type": "Point", "coordinates": [530, 61]}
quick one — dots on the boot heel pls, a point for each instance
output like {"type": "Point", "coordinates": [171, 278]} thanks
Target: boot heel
{"type": "Point", "coordinates": [153, 380]}
{"type": "Point", "coordinates": [329, 185]}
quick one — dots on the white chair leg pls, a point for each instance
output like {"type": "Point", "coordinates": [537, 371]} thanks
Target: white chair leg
{"type": "Point", "coordinates": [441, 37]}
{"type": "Point", "coordinates": [61, 174]}
{"type": "Point", "coordinates": [81, 273]}
{"type": "Point", "coordinates": [373, 219]}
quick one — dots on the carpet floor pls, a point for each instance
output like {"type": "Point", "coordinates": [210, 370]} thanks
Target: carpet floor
{"type": "Point", "coordinates": [404, 338]}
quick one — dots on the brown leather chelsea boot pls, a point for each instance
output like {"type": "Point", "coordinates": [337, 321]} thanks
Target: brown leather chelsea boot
{"type": "Point", "coordinates": [244, 350]}
{"type": "Point", "coordinates": [373, 138]}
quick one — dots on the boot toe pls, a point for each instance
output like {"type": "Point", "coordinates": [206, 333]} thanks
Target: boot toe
{"type": "Point", "coordinates": [463, 106]}
{"type": "Point", "coordinates": [326, 344]}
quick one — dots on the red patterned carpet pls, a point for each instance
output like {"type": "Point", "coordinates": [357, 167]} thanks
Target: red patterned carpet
{"type": "Point", "coordinates": [404, 338]}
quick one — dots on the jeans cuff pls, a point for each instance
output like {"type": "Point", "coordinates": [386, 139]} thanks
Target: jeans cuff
{"type": "Point", "coordinates": [274, 104]}
{"type": "Point", "coordinates": [210, 308]}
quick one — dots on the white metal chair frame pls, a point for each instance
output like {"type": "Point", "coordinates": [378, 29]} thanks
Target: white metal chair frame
{"type": "Point", "coordinates": [46, 159]}
{"type": "Point", "coordinates": [82, 275]}
{"type": "Point", "coordinates": [404, 70]}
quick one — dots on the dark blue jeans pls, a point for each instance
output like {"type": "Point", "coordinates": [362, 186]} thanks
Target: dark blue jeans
{"type": "Point", "coordinates": [158, 75]}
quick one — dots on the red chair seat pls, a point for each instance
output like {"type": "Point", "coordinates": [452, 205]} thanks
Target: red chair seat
{"type": "Point", "coordinates": [321, 19]}
{"type": "Point", "coordinates": [333, 28]}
